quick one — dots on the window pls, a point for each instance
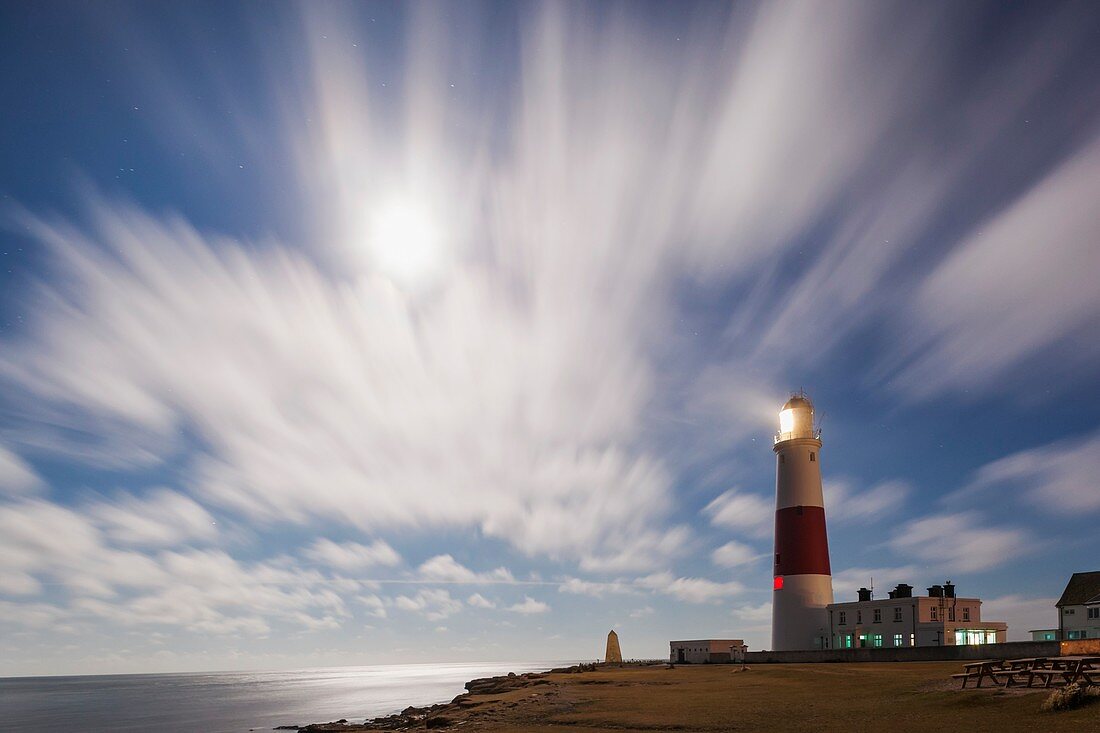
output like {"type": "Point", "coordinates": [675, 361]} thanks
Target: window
{"type": "Point", "coordinates": [859, 617]}
{"type": "Point", "coordinates": [1077, 634]}
{"type": "Point", "coordinates": [975, 636]}
{"type": "Point", "coordinates": [934, 613]}
{"type": "Point", "coordinates": [951, 614]}
{"type": "Point", "coordinates": [897, 616]}
{"type": "Point", "coordinates": [846, 641]}
{"type": "Point", "coordinates": [1068, 612]}
{"type": "Point", "coordinates": [899, 640]}
{"type": "Point", "coordinates": [843, 618]}
{"type": "Point", "coordinates": [878, 615]}
{"type": "Point", "coordinates": [1094, 613]}
{"type": "Point", "coordinates": [876, 640]}
{"type": "Point", "coordinates": [966, 613]}
{"type": "Point", "coordinates": [912, 640]}
{"type": "Point", "coordinates": [813, 456]}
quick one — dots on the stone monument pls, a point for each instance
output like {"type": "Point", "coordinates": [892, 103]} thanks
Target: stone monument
{"type": "Point", "coordinates": [613, 654]}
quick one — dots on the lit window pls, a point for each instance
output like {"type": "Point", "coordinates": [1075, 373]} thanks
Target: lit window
{"type": "Point", "coordinates": [966, 613]}
{"type": "Point", "coordinates": [897, 616]}
{"type": "Point", "coordinates": [899, 640]}
{"type": "Point", "coordinates": [878, 615]}
{"type": "Point", "coordinates": [876, 640]}
{"type": "Point", "coordinates": [912, 640]}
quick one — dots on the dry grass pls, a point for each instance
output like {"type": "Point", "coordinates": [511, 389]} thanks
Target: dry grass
{"type": "Point", "coordinates": [820, 697]}
{"type": "Point", "coordinates": [1071, 697]}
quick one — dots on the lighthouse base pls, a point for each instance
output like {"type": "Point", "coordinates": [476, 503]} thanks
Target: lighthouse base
{"type": "Point", "coordinates": [799, 618]}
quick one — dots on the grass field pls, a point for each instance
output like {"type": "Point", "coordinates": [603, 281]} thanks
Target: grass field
{"type": "Point", "coordinates": [784, 697]}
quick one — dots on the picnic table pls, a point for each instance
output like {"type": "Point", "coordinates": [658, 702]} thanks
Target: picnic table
{"type": "Point", "coordinates": [1057, 670]}
{"type": "Point", "coordinates": [979, 671]}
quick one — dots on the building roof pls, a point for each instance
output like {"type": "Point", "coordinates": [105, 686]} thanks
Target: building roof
{"type": "Point", "coordinates": [1082, 588]}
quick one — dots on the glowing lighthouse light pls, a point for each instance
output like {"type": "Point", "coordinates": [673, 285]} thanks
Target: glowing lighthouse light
{"type": "Point", "coordinates": [802, 580]}
{"type": "Point", "coordinates": [786, 421]}
{"type": "Point", "coordinates": [405, 242]}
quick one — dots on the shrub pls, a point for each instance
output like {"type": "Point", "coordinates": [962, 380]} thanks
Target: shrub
{"type": "Point", "coordinates": [1070, 697]}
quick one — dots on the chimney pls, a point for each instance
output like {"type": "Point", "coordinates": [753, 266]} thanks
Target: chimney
{"type": "Point", "coordinates": [949, 589]}
{"type": "Point", "coordinates": [864, 594]}
{"type": "Point", "coordinates": [902, 591]}
{"type": "Point", "coordinates": [935, 591]}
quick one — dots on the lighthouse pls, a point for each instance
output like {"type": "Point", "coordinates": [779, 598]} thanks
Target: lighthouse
{"type": "Point", "coordinates": [802, 581]}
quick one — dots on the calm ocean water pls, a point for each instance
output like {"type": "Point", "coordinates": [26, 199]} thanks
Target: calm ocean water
{"type": "Point", "coordinates": [232, 702]}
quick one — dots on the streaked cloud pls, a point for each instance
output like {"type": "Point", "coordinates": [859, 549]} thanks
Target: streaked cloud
{"type": "Point", "coordinates": [160, 517]}
{"type": "Point", "coordinates": [734, 553]}
{"type": "Point", "coordinates": [352, 556]}
{"type": "Point", "coordinates": [960, 541]}
{"type": "Point", "coordinates": [847, 505]}
{"type": "Point", "coordinates": [16, 475]}
{"type": "Point", "coordinates": [735, 509]}
{"type": "Point", "coordinates": [1059, 478]}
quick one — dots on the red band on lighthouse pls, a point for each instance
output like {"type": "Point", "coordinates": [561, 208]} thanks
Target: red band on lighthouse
{"type": "Point", "coordinates": [801, 544]}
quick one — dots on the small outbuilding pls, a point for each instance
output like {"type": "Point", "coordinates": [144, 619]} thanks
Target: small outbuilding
{"type": "Point", "coordinates": [705, 651]}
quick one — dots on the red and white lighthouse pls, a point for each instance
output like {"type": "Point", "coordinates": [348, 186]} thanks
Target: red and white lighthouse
{"type": "Point", "coordinates": [803, 583]}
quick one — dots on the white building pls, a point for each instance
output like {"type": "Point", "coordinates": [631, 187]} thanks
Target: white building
{"type": "Point", "coordinates": [705, 651]}
{"type": "Point", "coordinates": [904, 620]}
{"type": "Point", "coordinates": [1079, 607]}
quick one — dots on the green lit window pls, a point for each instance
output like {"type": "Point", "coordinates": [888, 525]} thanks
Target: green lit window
{"type": "Point", "coordinates": [899, 640]}
{"type": "Point", "coordinates": [876, 640]}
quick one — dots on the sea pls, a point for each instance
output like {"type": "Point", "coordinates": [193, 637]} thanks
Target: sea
{"type": "Point", "coordinates": [233, 702]}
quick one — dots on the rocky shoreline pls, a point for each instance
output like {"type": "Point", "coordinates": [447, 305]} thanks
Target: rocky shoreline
{"type": "Point", "coordinates": [486, 699]}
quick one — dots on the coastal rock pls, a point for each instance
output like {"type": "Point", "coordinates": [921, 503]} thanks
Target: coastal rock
{"type": "Point", "coordinates": [438, 721]}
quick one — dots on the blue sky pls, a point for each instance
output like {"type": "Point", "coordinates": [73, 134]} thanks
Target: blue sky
{"type": "Point", "coordinates": [352, 334]}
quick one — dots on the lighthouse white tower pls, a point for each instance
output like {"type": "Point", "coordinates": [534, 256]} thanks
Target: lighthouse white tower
{"type": "Point", "coordinates": [803, 583]}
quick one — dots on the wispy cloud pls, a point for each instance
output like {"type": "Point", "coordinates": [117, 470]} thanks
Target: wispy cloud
{"type": "Point", "coordinates": [960, 541]}
{"type": "Point", "coordinates": [16, 475]}
{"type": "Point", "coordinates": [692, 590]}
{"type": "Point", "coordinates": [1006, 294]}
{"type": "Point", "coordinates": [844, 504]}
{"type": "Point", "coordinates": [529, 606]}
{"type": "Point", "coordinates": [351, 556]}
{"type": "Point", "coordinates": [1059, 478]}
{"type": "Point", "coordinates": [734, 553]}
{"type": "Point", "coordinates": [735, 509]}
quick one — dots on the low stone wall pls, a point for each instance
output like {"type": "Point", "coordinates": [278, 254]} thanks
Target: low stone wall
{"type": "Point", "coordinates": [1086, 647]}
{"type": "Point", "coordinates": [1009, 650]}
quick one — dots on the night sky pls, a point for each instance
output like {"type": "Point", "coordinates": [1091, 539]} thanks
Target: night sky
{"type": "Point", "coordinates": [355, 334]}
